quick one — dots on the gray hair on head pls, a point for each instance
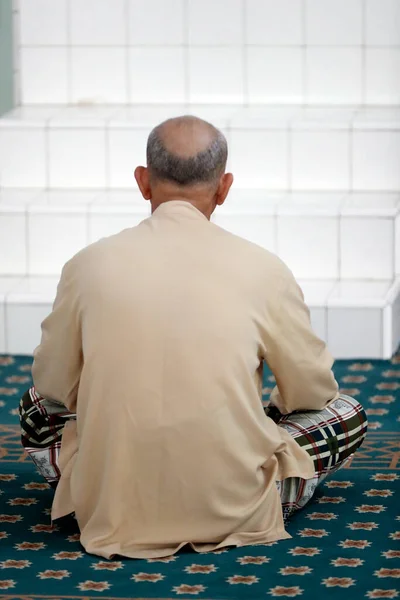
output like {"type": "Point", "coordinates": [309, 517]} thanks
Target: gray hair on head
{"type": "Point", "coordinates": [193, 165]}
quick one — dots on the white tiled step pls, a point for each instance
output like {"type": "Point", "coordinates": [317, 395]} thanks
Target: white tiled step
{"type": "Point", "coordinates": [319, 235]}
{"type": "Point", "coordinates": [280, 148]}
{"type": "Point", "coordinates": [358, 319]}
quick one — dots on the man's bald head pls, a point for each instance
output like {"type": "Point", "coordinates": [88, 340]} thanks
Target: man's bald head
{"type": "Point", "coordinates": [186, 151]}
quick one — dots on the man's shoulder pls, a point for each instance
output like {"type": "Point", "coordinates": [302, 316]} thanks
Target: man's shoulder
{"type": "Point", "coordinates": [263, 258]}
{"type": "Point", "coordinates": [98, 250]}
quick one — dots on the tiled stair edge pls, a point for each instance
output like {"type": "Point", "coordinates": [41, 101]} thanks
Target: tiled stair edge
{"type": "Point", "coordinates": [280, 148]}
{"type": "Point", "coordinates": [319, 235]}
{"type": "Point", "coordinates": [357, 319]}
{"type": "Point", "coordinates": [228, 116]}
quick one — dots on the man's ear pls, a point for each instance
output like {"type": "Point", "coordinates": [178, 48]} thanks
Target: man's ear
{"type": "Point", "coordinates": [143, 180]}
{"type": "Point", "coordinates": [223, 188]}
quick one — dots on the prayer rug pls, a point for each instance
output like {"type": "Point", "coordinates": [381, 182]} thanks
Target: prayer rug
{"type": "Point", "coordinates": [345, 543]}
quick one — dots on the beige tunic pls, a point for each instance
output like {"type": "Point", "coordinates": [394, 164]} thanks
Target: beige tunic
{"type": "Point", "coordinates": [156, 340]}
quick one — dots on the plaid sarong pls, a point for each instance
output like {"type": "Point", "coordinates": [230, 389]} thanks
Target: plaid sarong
{"type": "Point", "coordinates": [42, 425]}
{"type": "Point", "coordinates": [330, 436]}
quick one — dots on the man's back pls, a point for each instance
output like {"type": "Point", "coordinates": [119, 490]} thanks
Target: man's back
{"type": "Point", "coordinates": [172, 444]}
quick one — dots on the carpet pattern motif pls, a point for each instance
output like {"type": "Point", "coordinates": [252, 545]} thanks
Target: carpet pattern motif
{"type": "Point", "coordinates": [345, 544]}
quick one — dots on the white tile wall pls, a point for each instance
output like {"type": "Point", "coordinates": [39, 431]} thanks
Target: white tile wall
{"type": "Point", "coordinates": [360, 293]}
{"type": "Point", "coordinates": [317, 292]}
{"type": "Point", "coordinates": [377, 117]}
{"type": "Point", "coordinates": [260, 158]}
{"type": "Point", "coordinates": [372, 204]}
{"type": "Point", "coordinates": [318, 318]}
{"type": "Point", "coordinates": [44, 74]}
{"type": "Point", "coordinates": [127, 150]}
{"type": "Point", "coordinates": [215, 23]}
{"type": "Point", "coordinates": [156, 75]}
{"type": "Point", "coordinates": [53, 239]}
{"type": "Point", "coordinates": [336, 52]}
{"type": "Point", "coordinates": [156, 22]}
{"type": "Point", "coordinates": [263, 117]}
{"type": "Point", "coordinates": [366, 248]}
{"type": "Point", "coordinates": [312, 204]}
{"type": "Point", "coordinates": [23, 326]}
{"type": "Point", "coordinates": [99, 76]}
{"type": "Point", "coordinates": [216, 75]}
{"type": "Point", "coordinates": [25, 117]}
{"type": "Point", "coordinates": [12, 243]}
{"type": "Point", "coordinates": [35, 290]}
{"type": "Point", "coordinates": [83, 116]}
{"type": "Point", "coordinates": [349, 50]}
{"type": "Point", "coordinates": [275, 75]}
{"type": "Point", "coordinates": [145, 115]}
{"type": "Point", "coordinates": [77, 158]}
{"type": "Point", "coordinates": [334, 75]}
{"type": "Point", "coordinates": [309, 246]}
{"type": "Point", "coordinates": [376, 160]}
{"type": "Point", "coordinates": [43, 22]}
{"type": "Point", "coordinates": [382, 75]}
{"type": "Point", "coordinates": [22, 158]}
{"type": "Point", "coordinates": [276, 148]}
{"type": "Point", "coordinates": [320, 160]}
{"type": "Point", "coordinates": [363, 327]}
{"type": "Point", "coordinates": [2, 327]}
{"type": "Point", "coordinates": [397, 245]}
{"type": "Point", "coordinates": [382, 22]}
{"type": "Point", "coordinates": [24, 303]}
{"type": "Point", "coordinates": [334, 22]}
{"type": "Point", "coordinates": [393, 336]}
{"type": "Point", "coordinates": [324, 118]}
{"type": "Point", "coordinates": [6, 284]}
{"type": "Point", "coordinates": [98, 22]}
{"type": "Point", "coordinates": [274, 22]}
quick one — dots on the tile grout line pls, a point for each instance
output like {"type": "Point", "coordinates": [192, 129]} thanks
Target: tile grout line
{"type": "Point", "coordinates": [186, 55]}
{"type": "Point", "coordinates": [394, 247]}
{"type": "Point", "coordinates": [128, 90]}
{"type": "Point", "coordinates": [87, 218]}
{"type": "Point", "coordinates": [289, 158]}
{"type": "Point", "coordinates": [5, 313]}
{"type": "Point", "coordinates": [326, 320]}
{"type": "Point", "coordinates": [47, 154]}
{"type": "Point", "coordinates": [69, 51]}
{"type": "Point", "coordinates": [107, 170]}
{"type": "Point", "coordinates": [363, 53]}
{"type": "Point", "coordinates": [304, 57]}
{"type": "Point", "coordinates": [276, 232]}
{"type": "Point", "coordinates": [339, 243]}
{"type": "Point", "coordinates": [27, 239]}
{"type": "Point", "coordinates": [216, 45]}
{"type": "Point", "coordinates": [245, 45]}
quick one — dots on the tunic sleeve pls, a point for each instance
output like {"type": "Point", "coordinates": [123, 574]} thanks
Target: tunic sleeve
{"type": "Point", "coordinates": [299, 360]}
{"type": "Point", "coordinates": [58, 359]}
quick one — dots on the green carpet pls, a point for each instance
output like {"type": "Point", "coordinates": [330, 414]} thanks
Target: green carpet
{"type": "Point", "coordinates": [345, 544]}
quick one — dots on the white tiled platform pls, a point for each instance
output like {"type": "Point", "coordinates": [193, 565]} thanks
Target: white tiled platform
{"type": "Point", "coordinates": [280, 148]}
{"type": "Point", "coordinates": [318, 186]}
{"type": "Point", "coordinates": [320, 235]}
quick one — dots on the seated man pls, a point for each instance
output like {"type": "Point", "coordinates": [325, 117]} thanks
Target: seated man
{"type": "Point", "coordinates": [146, 413]}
